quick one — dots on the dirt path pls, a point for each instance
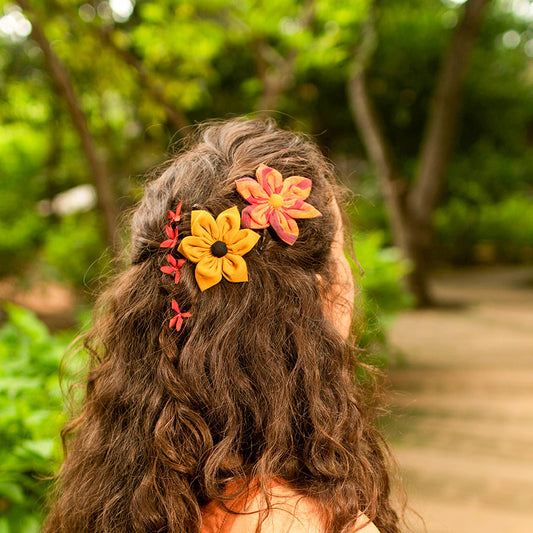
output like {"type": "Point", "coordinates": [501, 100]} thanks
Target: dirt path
{"type": "Point", "coordinates": [463, 405]}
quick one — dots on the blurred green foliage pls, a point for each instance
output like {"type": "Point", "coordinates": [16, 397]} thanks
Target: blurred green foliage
{"type": "Point", "coordinates": [30, 416]}
{"type": "Point", "coordinates": [497, 232]}
{"type": "Point", "coordinates": [381, 293]}
{"type": "Point", "coordinates": [208, 58]}
{"type": "Point", "coordinates": [74, 250]}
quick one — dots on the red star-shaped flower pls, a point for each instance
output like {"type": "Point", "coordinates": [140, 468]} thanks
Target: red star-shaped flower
{"type": "Point", "coordinates": [174, 268]}
{"type": "Point", "coordinates": [177, 320]}
{"type": "Point", "coordinates": [174, 216]}
{"type": "Point", "coordinates": [172, 238]}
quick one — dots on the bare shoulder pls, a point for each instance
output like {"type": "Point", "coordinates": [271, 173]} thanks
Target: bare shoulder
{"type": "Point", "coordinates": [291, 513]}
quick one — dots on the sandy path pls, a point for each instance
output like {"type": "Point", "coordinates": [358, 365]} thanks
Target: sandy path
{"type": "Point", "coordinates": [462, 429]}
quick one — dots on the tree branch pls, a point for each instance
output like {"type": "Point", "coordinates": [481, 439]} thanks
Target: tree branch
{"type": "Point", "coordinates": [61, 79]}
{"type": "Point", "coordinates": [156, 90]}
{"type": "Point", "coordinates": [279, 74]}
{"type": "Point", "coordinates": [392, 185]}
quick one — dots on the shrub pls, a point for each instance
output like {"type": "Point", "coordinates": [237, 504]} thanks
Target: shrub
{"type": "Point", "coordinates": [501, 231]}
{"type": "Point", "coordinates": [74, 251]}
{"type": "Point", "coordinates": [30, 417]}
{"type": "Point", "coordinates": [382, 293]}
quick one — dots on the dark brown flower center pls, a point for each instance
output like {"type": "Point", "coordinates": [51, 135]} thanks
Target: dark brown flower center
{"type": "Point", "coordinates": [219, 249]}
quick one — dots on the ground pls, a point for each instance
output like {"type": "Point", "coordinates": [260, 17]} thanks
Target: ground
{"type": "Point", "coordinates": [462, 404]}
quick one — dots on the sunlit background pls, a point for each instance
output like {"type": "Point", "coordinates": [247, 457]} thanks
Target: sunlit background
{"type": "Point", "coordinates": [425, 107]}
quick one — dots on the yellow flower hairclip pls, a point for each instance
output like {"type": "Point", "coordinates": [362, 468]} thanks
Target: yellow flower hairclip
{"type": "Point", "coordinates": [218, 246]}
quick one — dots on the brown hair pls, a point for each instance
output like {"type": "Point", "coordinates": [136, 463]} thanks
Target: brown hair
{"type": "Point", "coordinates": [257, 373]}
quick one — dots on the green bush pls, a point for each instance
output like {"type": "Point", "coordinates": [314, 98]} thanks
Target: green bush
{"type": "Point", "coordinates": [74, 251]}
{"type": "Point", "coordinates": [23, 150]}
{"type": "Point", "coordinates": [30, 417]}
{"type": "Point", "coordinates": [496, 232]}
{"type": "Point", "coordinates": [382, 293]}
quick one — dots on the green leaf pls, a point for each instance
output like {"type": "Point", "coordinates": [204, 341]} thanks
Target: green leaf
{"type": "Point", "coordinates": [11, 492]}
{"type": "Point", "coordinates": [42, 448]}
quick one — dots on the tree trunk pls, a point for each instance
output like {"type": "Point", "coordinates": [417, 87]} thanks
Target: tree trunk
{"type": "Point", "coordinates": [410, 211]}
{"type": "Point", "coordinates": [393, 187]}
{"type": "Point", "coordinates": [61, 79]}
{"type": "Point", "coordinates": [441, 127]}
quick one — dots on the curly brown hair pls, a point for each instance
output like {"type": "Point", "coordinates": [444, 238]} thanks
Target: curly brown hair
{"type": "Point", "coordinates": [257, 373]}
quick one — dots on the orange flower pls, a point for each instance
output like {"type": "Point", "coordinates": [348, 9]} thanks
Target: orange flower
{"type": "Point", "coordinates": [276, 202]}
{"type": "Point", "coordinates": [217, 247]}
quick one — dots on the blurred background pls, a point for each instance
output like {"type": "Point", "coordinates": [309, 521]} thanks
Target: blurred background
{"type": "Point", "coordinates": [425, 107]}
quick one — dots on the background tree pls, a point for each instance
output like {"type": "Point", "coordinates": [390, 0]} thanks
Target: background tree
{"type": "Point", "coordinates": [410, 207]}
{"type": "Point", "coordinates": [143, 72]}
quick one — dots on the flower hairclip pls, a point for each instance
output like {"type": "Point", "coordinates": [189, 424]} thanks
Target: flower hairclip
{"type": "Point", "coordinates": [217, 247]}
{"type": "Point", "coordinates": [175, 216]}
{"type": "Point", "coordinates": [177, 320]}
{"type": "Point", "coordinates": [171, 229]}
{"type": "Point", "coordinates": [175, 265]}
{"type": "Point", "coordinates": [276, 202]}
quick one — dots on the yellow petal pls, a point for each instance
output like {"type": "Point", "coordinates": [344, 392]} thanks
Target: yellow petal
{"type": "Point", "coordinates": [228, 220]}
{"type": "Point", "coordinates": [194, 248]}
{"type": "Point", "coordinates": [242, 241]}
{"type": "Point", "coordinates": [208, 272]}
{"type": "Point", "coordinates": [203, 225]}
{"type": "Point", "coordinates": [234, 268]}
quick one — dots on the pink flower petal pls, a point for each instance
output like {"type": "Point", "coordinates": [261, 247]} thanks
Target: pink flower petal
{"type": "Point", "coordinates": [250, 190]}
{"type": "Point", "coordinates": [296, 187]}
{"type": "Point", "coordinates": [302, 210]}
{"type": "Point", "coordinates": [270, 179]}
{"type": "Point", "coordinates": [285, 226]}
{"type": "Point", "coordinates": [256, 216]}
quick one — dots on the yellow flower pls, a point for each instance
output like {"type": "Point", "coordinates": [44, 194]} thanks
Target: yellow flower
{"type": "Point", "coordinates": [218, 246]}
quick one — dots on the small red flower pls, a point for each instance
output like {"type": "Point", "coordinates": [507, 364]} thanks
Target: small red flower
{"type": "Point", "coordinates": [174, 216]}
{"type": "Point", "coordinates": [176, 264]}
{"type": "Point", "coordinates": [172, 238]}
{"type": "Point", "coordinates": [177, 320]}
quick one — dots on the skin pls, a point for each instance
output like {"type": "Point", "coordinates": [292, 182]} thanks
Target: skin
{"type": "Point", "coordinates": [338, 305]}
{"type": "Point", "coordinates": [291, 513]}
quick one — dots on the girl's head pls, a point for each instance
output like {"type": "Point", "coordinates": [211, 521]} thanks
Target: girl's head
{"type": "Point", "coordinates": [259, 381]}
{"type": "Point", "coordinates": [203, 177]}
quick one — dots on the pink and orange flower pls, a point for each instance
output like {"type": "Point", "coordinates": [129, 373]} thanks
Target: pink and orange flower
{"type": "Point", "coordinates": [276, 202]}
